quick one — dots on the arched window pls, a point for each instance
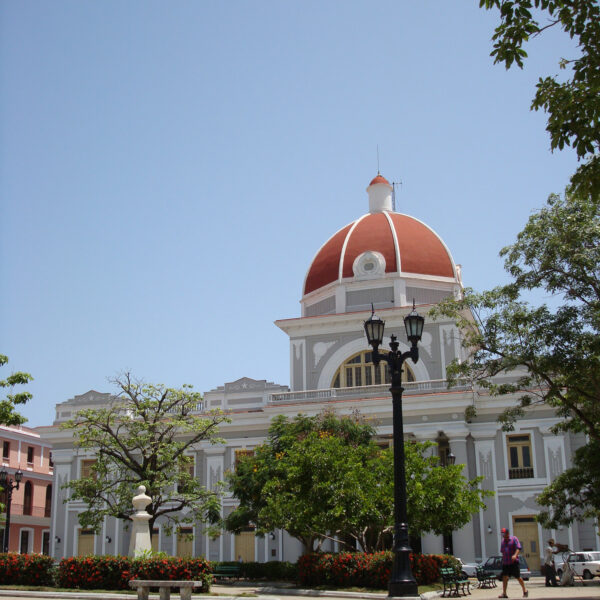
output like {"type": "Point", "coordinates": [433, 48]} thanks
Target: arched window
{"type": "Point", "coordinates": [48, 505]}
{"type": "Point", "coordinates": [359, 370]}
{"type": "Point", "coordinates": [28, 498]}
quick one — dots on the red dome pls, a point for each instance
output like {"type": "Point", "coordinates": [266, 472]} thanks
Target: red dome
{"type": "Point", "coordinates": [399, 238]}
{"type": "Point", "coordinates": [379, 179]}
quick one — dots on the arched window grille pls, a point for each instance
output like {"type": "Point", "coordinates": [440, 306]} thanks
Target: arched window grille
{"type": "Point", "coordinates": [359, 370]}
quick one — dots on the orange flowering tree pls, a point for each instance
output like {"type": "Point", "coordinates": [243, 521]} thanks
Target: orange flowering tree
{"type": "Point", "coordinates": [324, 477]}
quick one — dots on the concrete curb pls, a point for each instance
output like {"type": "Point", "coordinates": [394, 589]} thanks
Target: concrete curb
{"type": "Point", "coordinates": [268, 590]}
{"type": "Point", "coordinates": [64, 595]}
{"type": "Point", "coordinates": [99, 596]}
{"type": "Point", "coordinates": [322, 593]}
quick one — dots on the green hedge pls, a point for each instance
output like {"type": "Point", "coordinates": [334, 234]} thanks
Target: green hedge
{"type": "Point", "coordinates": [26, 569]}
{"type": "Point", "coordinates": [114, 572]}
{"type": "Point", "coordinates": [271, 571]}
{"type": "Point", "coordinates": [349, 569]}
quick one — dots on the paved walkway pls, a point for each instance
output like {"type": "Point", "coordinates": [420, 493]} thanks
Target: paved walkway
{"type": "Point", "coordinates": [537, 591]}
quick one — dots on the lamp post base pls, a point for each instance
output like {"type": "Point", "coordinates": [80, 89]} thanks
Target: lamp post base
{"type": "Point", "coordinates": [403, 589]}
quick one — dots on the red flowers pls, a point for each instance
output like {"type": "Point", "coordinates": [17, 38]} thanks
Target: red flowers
{"type": "Point", "coordinates": [26, 568]}
{"type": "Point", "coordinates": [364, 570]}
{"type": "Point", "coordinates": [115, 572]}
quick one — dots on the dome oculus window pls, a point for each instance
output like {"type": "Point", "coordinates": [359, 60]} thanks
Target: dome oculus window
{"type": "Point", "coordinates": [359, 370]}
{"type": "Point", "coordinates": [369, 264]}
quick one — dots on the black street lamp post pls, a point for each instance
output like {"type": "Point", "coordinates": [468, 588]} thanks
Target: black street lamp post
{"type": "Point", "coordinates": [7, 484]}
{"type": "Point", "coordinates": [448, 542]}
{"type": "Point", "coordinates": [402, 582]}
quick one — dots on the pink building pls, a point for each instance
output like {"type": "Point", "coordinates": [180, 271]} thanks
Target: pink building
{"type": "Point", "coordinates": [22, 450]}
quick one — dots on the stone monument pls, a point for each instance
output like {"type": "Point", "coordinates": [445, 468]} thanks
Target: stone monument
{"type": "Point", "coordinates": [140, 535]}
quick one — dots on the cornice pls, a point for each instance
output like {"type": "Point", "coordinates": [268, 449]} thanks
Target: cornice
{"type": "Point", "coordinates": [352, 321]}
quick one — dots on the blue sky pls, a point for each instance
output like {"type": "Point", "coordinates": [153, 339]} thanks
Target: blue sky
{"type": "Point", "coordinates": [168, 170]}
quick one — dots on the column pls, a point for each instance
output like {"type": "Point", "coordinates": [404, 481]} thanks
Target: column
{"type": "Point", "coordinates": [463, 539]}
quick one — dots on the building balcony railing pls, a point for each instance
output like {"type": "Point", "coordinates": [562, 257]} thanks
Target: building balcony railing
{"type": "Point", "coordinates": [30, 511]}
{"type": "Point", "coordinates": [365, 391]}
{"type": "Point", "coordinates": [520, 473]}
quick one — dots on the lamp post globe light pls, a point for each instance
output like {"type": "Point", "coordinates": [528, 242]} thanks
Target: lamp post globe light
{"type": "Point", "coordinates": [402, 582]}
{"type": "Point", "coordinates": [8, 485]}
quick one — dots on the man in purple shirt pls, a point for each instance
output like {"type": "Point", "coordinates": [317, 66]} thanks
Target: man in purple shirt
{"type": "Point", "coordinates": [510, 548]}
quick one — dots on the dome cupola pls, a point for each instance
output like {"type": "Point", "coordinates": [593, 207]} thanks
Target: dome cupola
{"type": "Point", "coordinates": [380, 194]}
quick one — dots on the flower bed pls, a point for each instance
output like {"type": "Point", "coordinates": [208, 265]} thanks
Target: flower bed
{"type": "Point", "coordinates": [114, 572]}
{"type": "Point", "coordinates": [349, 569]}
{"type": "Point", "coordinates": [94, 572]}
{"type": "Point", "coordinates": [26, 569]}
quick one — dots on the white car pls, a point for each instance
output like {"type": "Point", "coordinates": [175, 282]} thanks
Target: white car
{"type": "Point", "coordinates": [468, 569]}
{"type": "Point", "coordinates": [584, 564]}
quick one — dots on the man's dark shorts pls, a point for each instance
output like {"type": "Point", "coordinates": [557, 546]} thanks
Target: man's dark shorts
{"type": "Point", "coordinates": [512, 570]}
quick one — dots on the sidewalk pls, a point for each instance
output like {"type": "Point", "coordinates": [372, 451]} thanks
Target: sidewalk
{"type": "Point", "coordinates": [536, 587]}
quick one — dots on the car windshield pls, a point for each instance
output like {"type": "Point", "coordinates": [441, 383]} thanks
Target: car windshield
{"type": "Point", "coordinates": [576, 558]}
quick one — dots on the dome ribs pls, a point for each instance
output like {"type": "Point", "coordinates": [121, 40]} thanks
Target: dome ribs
{"type": "Point", "coordinates": [421, 250]}
{"type": "Point", "coordinates": [325, 266]}
{"type": "Point", "coordinates": [372, 233]}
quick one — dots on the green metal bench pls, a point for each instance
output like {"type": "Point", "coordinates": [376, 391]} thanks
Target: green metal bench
{"type": "Point", "coordinates": [454, 583]}
{"type": "Point", "coordinates": [227, 572]}
{"type": "Point", "coordinates": [486, 580]}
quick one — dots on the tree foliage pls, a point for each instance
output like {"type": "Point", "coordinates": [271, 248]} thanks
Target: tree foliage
{"type": "Point", "coordinates": [573, 103]}
{"type": "Point", "coordinates": [324, 476]}
{"type": "Point", "coordinates": [553, 353]}
{"type": "Point", "coordinates": [575, 494]}
{"type": "Point", "coordinates": [8, 413]}
{"type": "Point", "coordinates": [144, 437]}
{"type": "Point", "coordinates": [550, 354]}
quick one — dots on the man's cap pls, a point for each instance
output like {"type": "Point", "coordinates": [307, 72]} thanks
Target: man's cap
{"type": "Point", "coordinates": [504, 530]}
{"type": "Point", "coordinates": [551, 541]}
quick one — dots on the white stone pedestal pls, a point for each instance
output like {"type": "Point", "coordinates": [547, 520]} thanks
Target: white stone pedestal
{"type": "Point", "coordinates": [140, 536]}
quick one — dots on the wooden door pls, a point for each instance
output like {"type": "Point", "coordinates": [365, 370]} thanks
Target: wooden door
{"type": "Point", "coordinates": [244, 546]}
{"type": "Point", "coordinates": [526, 529]}
{"type": "Point", "coordinates": [185, 543]}
{"type": "Point", "coordinates": [155, 534]}
{"type": "Point", "coordinates": [85, 542]}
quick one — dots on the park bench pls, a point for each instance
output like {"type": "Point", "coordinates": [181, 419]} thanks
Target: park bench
{"type": "Point", "coordinates": [164, 588]}
{"type": "Point", "coordinates": [227, 571]}
{"type": "Point", "coordinates": [486, 580]}
{"type": "Point", "coordinates": [454, 583]}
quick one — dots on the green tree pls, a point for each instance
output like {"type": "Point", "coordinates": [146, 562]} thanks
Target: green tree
{"type": "Point", "coordinates": [572, 102]}
{"type": "Point", "coordinates": [323, 477]}
{"type": "Point", "coordinates": [552, 354]}
{"type": "Point", "coordinates": [575, 494]}
{"type": "Point", "coordinates": [440, 499]}
{"type": "Point", "coordinates": [143, 438]}
{"type": "Point", "coordinates": [8, 413]}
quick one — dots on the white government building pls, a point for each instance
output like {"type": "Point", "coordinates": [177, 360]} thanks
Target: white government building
{"type": "Point", "coordinates": [388, 259]}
